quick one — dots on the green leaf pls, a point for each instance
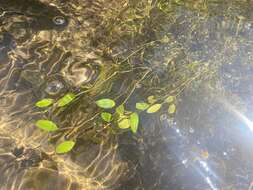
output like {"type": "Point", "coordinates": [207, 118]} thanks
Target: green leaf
{"type": "Point", "coordinates": [120, 109]}
{"type": "Point", "coordinates": [64, 147]}
{"type": "Point", "coordinates": [124, 123]}
{"type": "Point", "coordinates": [69, 97]}
{"type": "Point", "coordinates": [105, 103]}
{"type": "Point", "coordinates": [151, 99]}
{"type": "Point", "coordinates": [141, 106]}
{"type": "Point", "coordinates": [172, 109]}
{"type": "Point", "coordinates": [134, 122]}
{"type": "Point", "coordinates": [154, 108]}
{"type": "Point", "coordinates": [46, 125]}
{"type": "Point", "coordinates": [44, 102]}
{"type": "Point", "coordinates": [170, 99]}
{"type": "Point", "coordinates": [106, 116]}
{"type": "Point", "coordinates": [179, 2]}
{"type": "Point", "coordinates": [122, 116]}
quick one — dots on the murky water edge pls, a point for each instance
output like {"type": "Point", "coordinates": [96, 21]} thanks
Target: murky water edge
{"type": "Point", "coordinates": [198, 52]}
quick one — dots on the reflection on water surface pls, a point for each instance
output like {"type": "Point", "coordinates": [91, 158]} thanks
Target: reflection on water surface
{"type": "Point", "coordinates": [191, 60]}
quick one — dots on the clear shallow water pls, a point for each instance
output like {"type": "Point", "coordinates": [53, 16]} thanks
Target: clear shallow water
{"type": "Point", "coordinates": [198, 51]}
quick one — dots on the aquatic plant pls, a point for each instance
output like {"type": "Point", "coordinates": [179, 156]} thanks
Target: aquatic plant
{"type": "Point", "coordinates": [125, 120]}
{"type": "Point", "coordinates": [153, 57]}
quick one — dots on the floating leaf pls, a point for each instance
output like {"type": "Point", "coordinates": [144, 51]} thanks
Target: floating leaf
{"type": "Point", "coordinates": [122, 116]}
{"type": "Point", "coordinates": [204, 154]}
{"type": "Point", "coordinates": [170, 99]}
{"type": "Point", "coordinates": [46, 125]}
{"type": "Point", "coordinates": [134, 122]}
{"type": "Point", "coordinates": [172, 109]}
{"type": "Point", "coordinates": [154, 108]}
{"type": "Point", "coordinates": [120, 109]}
{"type": "Point", "coordinates": [65, 147]}
{"type": "Point", "coordinates": [151, 99]}
{"type": "Point", "coordinates": [105, 103]}
{"type": "Point", "coordinates": [124, 124]}
{"type": "Point", "coordinates": [69, 97]}
{"type": "Point", "coordinates": [44, 102]}
{"type": "Point", "coordinates": [141, 106]}
{"type": "Point", "coordinates": [106, 116]}
{"type": "Point", "coordinates": [179, 2]}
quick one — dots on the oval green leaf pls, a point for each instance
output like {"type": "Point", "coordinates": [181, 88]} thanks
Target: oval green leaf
{"type": "Point", "coordinates": [120, 109]}
{"type": "Point", "coordinates": [105, 103]}
{"type": "Point", "coordinates": [170, 99]}
{"type": "Point", "coordinates": [124, 123]}
{"type": "Point", "coordinates": [65, 147]}
{"type": "Point", "coordinates": [44, 102]}
{"type": "Point", "coordinates": [106, 116]}
{"type": "Point", "coordinates": [151, 99]}
{"type": "Point", "coordinates": [46, 125]}
{"type": "Point", "coordinates": [154, 108]}
{"type": "Point", "coordinates": [141, 106]}
{"type": "Point", "coordinates": [69, 97]}
{"type": "Point", "coordinates": [134, 122]}
{"type": "Point", "coordinates": [172, 109]}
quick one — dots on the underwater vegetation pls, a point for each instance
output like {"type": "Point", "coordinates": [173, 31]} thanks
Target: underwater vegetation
{"type": "Point", "coordinates": [148, 51]}
{"type": "Point", "coordinates": [124, 119]}
{"type": "Point", "coordinates": [125, 94]}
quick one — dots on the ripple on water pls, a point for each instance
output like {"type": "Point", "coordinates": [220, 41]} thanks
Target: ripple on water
{"type": "Point", "coordinates": [54, 87]}
{"type": "Point", "coordinates": [59, 20]}
{"type": "Point", "coordinates": [80, 74]}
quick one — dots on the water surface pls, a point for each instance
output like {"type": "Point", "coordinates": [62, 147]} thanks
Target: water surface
{"type": "Point", "coordinates": [198, 52]}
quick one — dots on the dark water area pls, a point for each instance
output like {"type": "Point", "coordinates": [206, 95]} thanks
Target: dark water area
{"type": "Point", "coordinates": [191, 61]}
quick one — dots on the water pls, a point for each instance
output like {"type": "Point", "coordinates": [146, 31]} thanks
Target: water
{"type": "Point", "coordinates": [198, 52]}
